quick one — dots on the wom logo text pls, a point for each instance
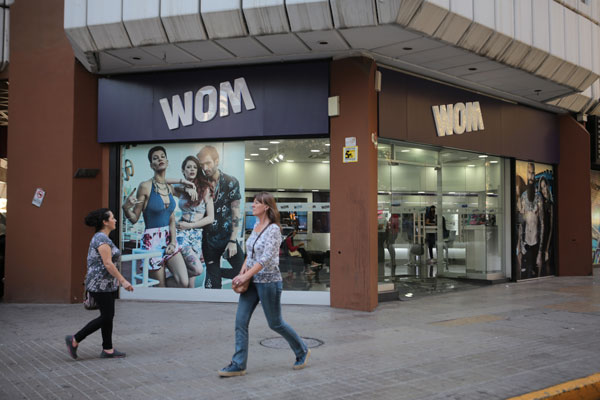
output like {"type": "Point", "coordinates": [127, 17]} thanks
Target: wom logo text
{"type": "Point", "coordinates": [458, 118]}
{"type": "Point", "coordinates": [203, 106]}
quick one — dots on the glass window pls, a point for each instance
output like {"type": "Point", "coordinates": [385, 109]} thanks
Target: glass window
{"type": "Point", "coordinates": [416, 185]}
{"type": "Point", "coordinates": [296, 171]}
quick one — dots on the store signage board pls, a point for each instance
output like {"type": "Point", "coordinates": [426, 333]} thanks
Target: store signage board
{"type": "Point", "coordinates": [457, 118]}
{"type": "Point", "coordinates": [208, 104]}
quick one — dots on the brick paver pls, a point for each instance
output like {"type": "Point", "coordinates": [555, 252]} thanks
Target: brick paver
{"type": "Point", "coordinates": [493, 342]}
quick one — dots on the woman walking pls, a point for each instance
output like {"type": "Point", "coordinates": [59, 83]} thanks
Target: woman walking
{"type": "Point", "coordinates": [262, 268]}
{"type": "Point", "coordinates": [102, 282]}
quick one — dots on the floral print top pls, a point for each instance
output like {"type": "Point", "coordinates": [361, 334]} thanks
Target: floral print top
{"type": "Point", "coordinates": [98, 279]}
{"type": "Point", "coordinates": [265, 252]}
{"type": "Point", "coordinates": [227, 190]}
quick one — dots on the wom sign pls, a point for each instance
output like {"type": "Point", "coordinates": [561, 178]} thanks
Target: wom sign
{"type": "Point", "coordinates": [203, 106]}
{"type": "Point", "coordinates": [458, 118]}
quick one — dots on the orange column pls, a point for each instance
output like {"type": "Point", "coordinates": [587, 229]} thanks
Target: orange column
{"type": "Point", "coordinates": [354, 187]}
{"type": "Point", "coordinates": [574, 197]}
{"type": "Point", "coordinates": [52, 132]}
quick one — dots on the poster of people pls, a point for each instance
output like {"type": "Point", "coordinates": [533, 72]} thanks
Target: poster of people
{"type": "Point", "coordinates": [535, 219]}
{"type": "Point", "coordinates": [595, 189]}
{"type": "Point", "coordinates": [181, 215]}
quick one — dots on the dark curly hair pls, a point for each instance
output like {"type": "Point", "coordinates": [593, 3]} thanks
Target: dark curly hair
{"type": "Point", "coordinates": [97, 217]}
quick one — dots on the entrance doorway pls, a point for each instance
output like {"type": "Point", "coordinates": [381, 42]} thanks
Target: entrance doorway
{"type": "Point", "coordinates": [440, 216]}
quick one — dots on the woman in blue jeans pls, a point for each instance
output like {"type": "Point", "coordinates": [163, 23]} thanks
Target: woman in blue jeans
{"type": "Point", "coordinates": [262, 267]}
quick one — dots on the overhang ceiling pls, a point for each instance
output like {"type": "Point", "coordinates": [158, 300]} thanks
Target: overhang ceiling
{"type": "Point", "coordinates": [501, 48]}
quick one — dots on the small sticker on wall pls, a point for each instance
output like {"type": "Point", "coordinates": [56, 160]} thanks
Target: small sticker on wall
{"type": "Point", "coordinates": [350, 154]}
{"type": "Point", "coordinates": [38, 197]}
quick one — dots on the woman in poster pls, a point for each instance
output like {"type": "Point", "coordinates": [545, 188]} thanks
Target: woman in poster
{"type": "Point", "coordinates": [197, 211]}
{"type": "Point", "coordinates": [155, 200]}
{"type": "Point", "coordinates": [548, 222]}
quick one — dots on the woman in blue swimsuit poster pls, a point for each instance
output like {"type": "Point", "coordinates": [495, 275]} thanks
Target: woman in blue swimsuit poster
{"type": "Point", "coordinates": [197, 210]}
{"type": "Point", "coordinates": [154, 199]}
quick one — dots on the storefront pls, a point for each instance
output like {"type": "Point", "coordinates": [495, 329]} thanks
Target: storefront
{"type": "Point", "coordinates": [450, 152]}
{"type": "Point", "coordinates": [232, 132]}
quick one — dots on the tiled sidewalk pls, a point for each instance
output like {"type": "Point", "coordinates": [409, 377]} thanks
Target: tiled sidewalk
{"type": "Point", "coordinates": [487, 343]}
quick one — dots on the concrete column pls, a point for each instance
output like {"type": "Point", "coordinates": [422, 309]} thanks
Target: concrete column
{"type": "Point", "coordinates": [53, 103]}
{"type": "Point", "coordinates": [354, 187]}
{"type": "Point", "coordinates": [574, 197]}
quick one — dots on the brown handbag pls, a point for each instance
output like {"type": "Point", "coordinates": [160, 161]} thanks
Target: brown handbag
{"type": "Point", "coordinates": [243, 287]}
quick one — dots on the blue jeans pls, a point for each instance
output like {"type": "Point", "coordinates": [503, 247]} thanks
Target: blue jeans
{"type": "Point", "coordinates": [269, 294]}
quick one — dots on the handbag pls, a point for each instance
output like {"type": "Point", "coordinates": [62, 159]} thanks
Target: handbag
{"type": "Point", "coordinates": [417, 249]}
{"type": "Point", "coordinates": [243, 287]}
{"type": "Point", "coordinates": [89, 303]}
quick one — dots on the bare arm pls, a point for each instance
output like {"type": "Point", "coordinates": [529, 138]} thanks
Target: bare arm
{"type": "Point", "coordinates": [172, 245]}
{"type": "Point", "coordinates": [209, 217]}
{"type": "Point", "coordinates": [133, 206]}
{"type": "Point", "coordinates": [106, 254]}
{"type": "Point", "coordinates": [235, 219]}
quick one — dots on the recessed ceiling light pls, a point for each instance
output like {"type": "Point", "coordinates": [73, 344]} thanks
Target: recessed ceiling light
{"type": "Point", "coordinates": [253, 154]}
{"type": "Point", "coordinates": [405, 151]}
{"type": "Point", "coordinates": [280, 156]}
{"type": "Point", "coordinates": [483, 156]}
{"type": "Point", "coordinates": [491, 194]}
{"type": "Point", "coordinates": [451, 192]}
{"type": "Point", "coordinates": [494, 162]}
{"type": "Point", "coordinates": [315, 190]}
{"type": "Point", "coordinates": [263, 148]}
{"type": "Point", "coordinates": [325, 162]}
{"type": "Point", "coordinates": [421, 192]}
{"type": "Point", "coordinates": [470, 165]}
{"type": "Point", "coordinates": [246, 159]}
{"type": "Point", "coordinates": [290, 160]}
{"type": "Point", "coordinates": [281, 190]}
{"type": "Point", "coordinates": [315, 151]}
{"type": "Point", "coordinates": [276, 159]}
{"type": "Point", "coordinates": [274, 142]}
{"type": "Point", "coordinates": [327, 144]}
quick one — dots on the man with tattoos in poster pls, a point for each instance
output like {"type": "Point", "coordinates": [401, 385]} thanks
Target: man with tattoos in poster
{"type": "Point", "coordinates": [220, 238]}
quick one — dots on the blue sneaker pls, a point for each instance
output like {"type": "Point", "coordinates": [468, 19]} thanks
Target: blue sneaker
{"type": "Point", "coordinates": [302, 361]}
{"type": "Point", "coordinates": [232, 370]}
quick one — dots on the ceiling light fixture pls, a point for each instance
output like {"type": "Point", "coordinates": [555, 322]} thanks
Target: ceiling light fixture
{"type": "Point", "coordinates": [325, 162]}
{"type": "Point", "coordinates": [263, 148]}
{"type": "Point", "coordinates": [327, 144]}
{"type": "Point", "coordinates": [494, 162]}
{"type": "Point", "coordinates": [483, 156]}
{"type": "Point", "coordinates": [254, 154]}
{"type": "Point", "coordinates": [405, 151]}
{"type": "Point", "coordinates": [290, 160]}
{"type": "Point", "coordinates": [470, 165]}
{"type": "Point", "coordinates": [274, 142]}
{"type": "Point", "coordinates": [315, 151]}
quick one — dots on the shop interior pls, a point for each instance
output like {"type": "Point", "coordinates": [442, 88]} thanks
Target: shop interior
{"type": "Point", "coordinates": [296, 171]}
{"type": "Point", "coordinates": [419, 252]}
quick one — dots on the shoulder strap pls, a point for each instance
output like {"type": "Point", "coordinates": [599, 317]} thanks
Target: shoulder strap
{"type": "Point", "coordinates": [261, 232]}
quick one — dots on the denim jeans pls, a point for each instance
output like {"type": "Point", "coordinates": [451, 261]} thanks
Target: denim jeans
{"type": "Point", "coordinates": [269, 294]}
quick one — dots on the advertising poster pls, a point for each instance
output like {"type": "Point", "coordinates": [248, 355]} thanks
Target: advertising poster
{"type": "Point", "coordinates": [535, 219]}
{"type": "Point", "coordinates": [595, 186]}
{"type": "Point", "coordinates": [181, 217]}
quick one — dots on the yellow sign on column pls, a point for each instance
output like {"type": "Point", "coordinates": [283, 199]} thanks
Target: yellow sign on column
{"type": "Point", "coordinates": [350, 154]}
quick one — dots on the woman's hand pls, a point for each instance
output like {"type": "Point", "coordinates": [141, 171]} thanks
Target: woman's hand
{"type": "Point", "coordinates": [170, 249]}
{"type": "Point", "coordinates": [183, 225]}
{"type": "Point", "coordinates": [241, 279]}
{"type": "Point", "coordinates": [126, 285]}
{"type": "Point", "coordinates": [130, 201]}
{"type": "Point", "coordinates": [192, 193]}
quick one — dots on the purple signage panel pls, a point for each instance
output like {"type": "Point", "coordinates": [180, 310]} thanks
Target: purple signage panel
{"type": "Point", "coordinates": [267, 100]}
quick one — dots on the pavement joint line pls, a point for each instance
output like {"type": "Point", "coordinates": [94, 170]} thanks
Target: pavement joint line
{"type": "Point", "coordinates": [578, 389]}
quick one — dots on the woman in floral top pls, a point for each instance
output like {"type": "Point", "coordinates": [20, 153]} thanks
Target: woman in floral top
{"type": "Point", "coordinates": [102, 282]}
{"type": "Point", "coordinates": [262, 267]}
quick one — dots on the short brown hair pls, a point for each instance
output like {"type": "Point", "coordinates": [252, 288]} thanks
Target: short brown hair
{"type": "Point", "coordinates": [210, 150]}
